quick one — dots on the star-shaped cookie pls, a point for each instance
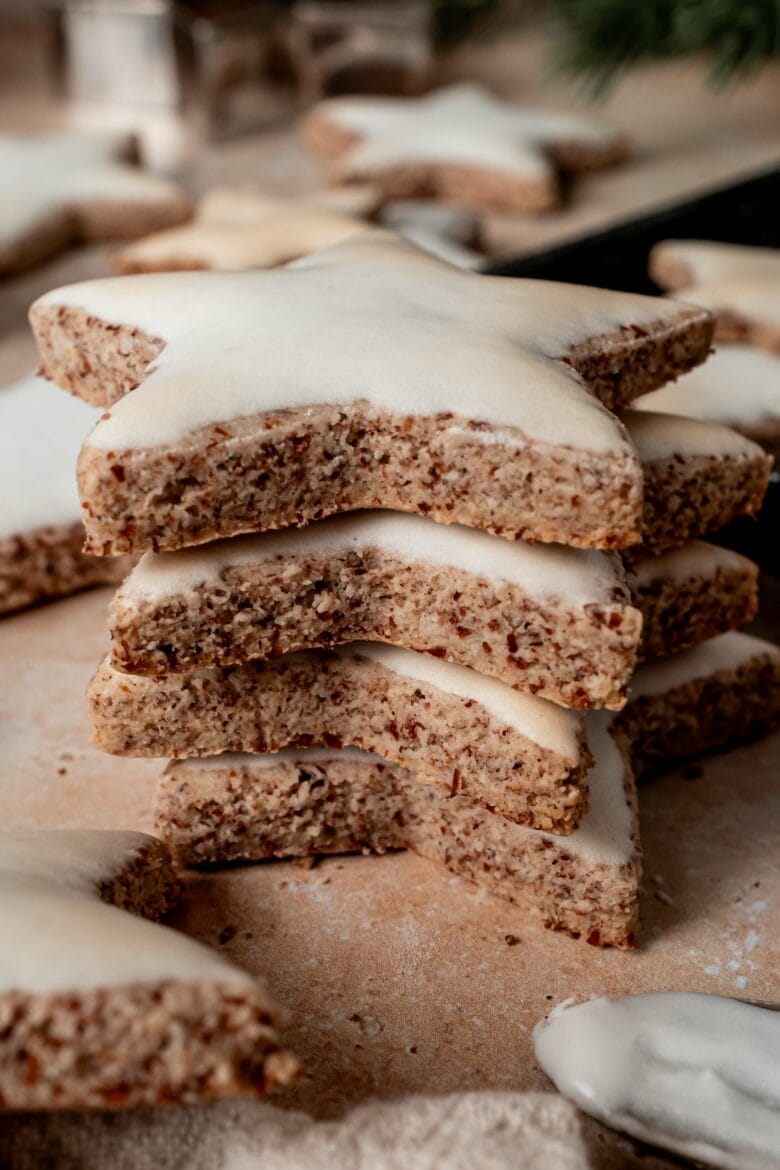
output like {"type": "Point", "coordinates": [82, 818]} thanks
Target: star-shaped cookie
{"type": "Point", "coordinates": [235, 228]}
{"type": "Point", "coordinates": [739, 385]}
{"type": "Point", "coordinates": [740, 285]}
{"type": "Point", "coordinates": [104, 1009]}
{"type": "Point", "coordinates": [41, 533]}
{"type": "Point", "coordinates": [239, 228]}
{"type": "Point", "coordinates": [347, 800]}
{"type": "Point", "coordinates": [366, 375]}
{"type": "Point", "coordinates": [58, 189]}
{"type": "Point", "coordinates": [461, 143]}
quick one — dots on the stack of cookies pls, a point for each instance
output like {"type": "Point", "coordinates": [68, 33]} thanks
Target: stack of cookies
{"type": "Point", "coordinates": [447, 667]}
{"type": "Point", "coordinates": [740, 385]}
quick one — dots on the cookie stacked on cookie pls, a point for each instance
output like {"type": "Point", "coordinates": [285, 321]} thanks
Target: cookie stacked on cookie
{"type": "Point", "coordinates": [463, 616]}
{"type": "Point", "coordinates": [740, 385]}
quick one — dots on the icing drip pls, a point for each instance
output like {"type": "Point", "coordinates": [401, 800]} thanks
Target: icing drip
{"type": "Point", "coordinates": [697, 1074]}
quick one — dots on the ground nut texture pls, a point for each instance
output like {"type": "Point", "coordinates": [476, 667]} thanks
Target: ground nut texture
{"type": "Point", "coordinates": [350, 697]}
{"type": "Point", "coordinates": [683, 610]}
{"type": "Point", "coordinates": [685, 499]}
{"type": "Point", "coordinates": [37, 566]}
{"type": "Point", "coordinates": [538, 459]}
{"type": "Point", "coordinates": [697, 478]}
{"type": "Point", "coordinates": [577, 652]}
{"type": "Point", "coordinates": [733, 704]}
{"type": "Point", "coordinates": [245, 808]}
{"type": "Point", "coordinates": [294, 467]}
{"type": "Point", "coordinates": [327, 460]}
{"type": "Point", "coordinates": [145, 1016]}
{"type": "Point", "coordinates": [116, 1047]}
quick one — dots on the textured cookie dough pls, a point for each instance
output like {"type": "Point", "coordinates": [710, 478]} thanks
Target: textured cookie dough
{"type": "Point", "coordinates": [60, 189]}
{"type": "Point", "coordinates": [697, 477]}
{"type": "Point", "coordinates": [738, 386]}
{"type": "Point", "coordinates": [691, 594]}
{"type": "Point", "coordinates": [41, 532]}
{"type": "Point", "coordinates": [458, 730]}
{"type": "Point", "coordinates": [741, 285]}
{"type": "Point", "coordinates": [458, 143]}
{"type": "Point", "coordinates": [554, 621]}
{"type": "Point", "coordinates": [294, 804]}
{"type": "Point", "coordinates": [723, 691]}
{"type": "Point", "coordinates": [100, 1009]}
{"type": "Point", "coordinates": [301, 803]}
{"type": "Point", "coordinates": [428, 389]}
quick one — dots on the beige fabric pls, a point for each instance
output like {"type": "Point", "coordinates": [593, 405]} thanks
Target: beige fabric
{"type": "Point", "coordinates": [459, 1131]}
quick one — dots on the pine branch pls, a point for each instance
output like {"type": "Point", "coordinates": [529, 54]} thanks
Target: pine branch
{"type": "Point", "coordinates": [597, 40]}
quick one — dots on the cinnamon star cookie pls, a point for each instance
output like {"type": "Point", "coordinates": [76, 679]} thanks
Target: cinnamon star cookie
{"type": "Point", "coordinates": [458, 730]}
{"type": "Point", "coordinates": [741, 285]}
{"type": "Point", "coordinates": [367, 375]}
{"type": "Point", "coordinates": [738, 386]}
{"type": "Point", "coordinates": [41, 531]}
{"type": "Point", "coordinates": [100, 1009]}
{"type": "Point", "coordinates": [460, 143]}
{"type": "Point", "coordinates": [554, 621]}
{"type": "Point", "coordinates": [65, 188]}
{"type": "Point", "coordinates": [318, 801]}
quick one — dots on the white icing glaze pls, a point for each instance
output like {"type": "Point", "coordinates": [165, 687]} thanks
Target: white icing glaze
{"type": "Point", "coordinates": [738, 385]}
{"type": "Point", "coordinates": [731, 277]}
{"type": "Point", "coordinates": [756, 297]}
{"type": "Point", "coordinates": [239, 228]}
{"type": "Point", "coordinates": [709, 260]}
{"type": "Point", "coordinates": [541, 721]}
{"type": "Point", "coordinates": [41, 432]}
{"type": "Point", "coordinates": [607, 831]}
{"type": "Point", "coordinates": [580, 577]}
{"type": "Point", "coordinates": [662, 436]}
{"type": "Point", "coordinates": [290, 755]}
{"type": "Point", "coordinates": [59, 936]}
{"type": "Point", "coordinates": [461, 124]}
{"type": "Point", "coordinates": [605, 834]}
{"type": "Point", "coordinates": [726, 652]}
{"type": "Point", "coordinates": [41, 176]}
{"type": "Point", "coordinates": [697, 559]}
{"type": "Point", "coordinates": [372, 318]}
{"type": "Point", "coordinates": [236, 228]}
{"type": "Point", "coordinates": [697, 1074]}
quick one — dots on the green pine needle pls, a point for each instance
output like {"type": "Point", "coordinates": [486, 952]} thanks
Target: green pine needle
{"type": "Point", "coordinates": [596, 41]}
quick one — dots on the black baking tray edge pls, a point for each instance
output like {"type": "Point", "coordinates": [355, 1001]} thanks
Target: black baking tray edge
{"type": "Point", "coordinates": [744, 212]}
